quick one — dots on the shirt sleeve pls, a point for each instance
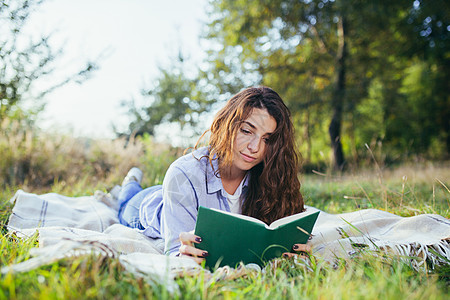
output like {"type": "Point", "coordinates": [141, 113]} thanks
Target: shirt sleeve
{"type": "Point", "coordinates": [180, 209]}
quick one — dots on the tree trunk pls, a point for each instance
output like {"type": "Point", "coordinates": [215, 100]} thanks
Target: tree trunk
{"type": "Point", "coordinates": [337, 101]}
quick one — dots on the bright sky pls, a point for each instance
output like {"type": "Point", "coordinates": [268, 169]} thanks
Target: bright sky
{"type": "Point", "coordinates": [138, 35]}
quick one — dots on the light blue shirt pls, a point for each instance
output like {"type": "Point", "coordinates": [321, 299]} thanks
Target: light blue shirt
{"type": "Point", "coordinates": [190, 182]}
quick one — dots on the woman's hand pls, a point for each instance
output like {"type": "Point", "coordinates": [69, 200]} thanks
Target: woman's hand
{"type": "Point", "coordinates": [304, 251]}
{"type": "Point", "coordinates": [187, 248]}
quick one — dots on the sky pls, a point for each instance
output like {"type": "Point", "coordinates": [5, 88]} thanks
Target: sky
{"type": "Point", "coordinates": [131, 37]}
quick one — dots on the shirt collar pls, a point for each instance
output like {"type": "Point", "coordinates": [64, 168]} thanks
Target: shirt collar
{"type": "Point", "coordinates": [214, 183]}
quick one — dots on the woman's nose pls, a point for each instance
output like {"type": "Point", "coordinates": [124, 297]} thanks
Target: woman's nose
{"type": "Point", "coordinates": [253, 145]}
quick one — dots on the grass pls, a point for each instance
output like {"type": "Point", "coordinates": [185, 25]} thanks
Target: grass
{"type": "Point", "coordinates": [90, 277]}
{"type": "Point", "coordinates": [406, 191]}
{"type": "Point", "coordinates": [367, 278]}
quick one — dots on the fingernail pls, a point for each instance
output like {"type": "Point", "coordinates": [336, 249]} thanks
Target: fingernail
{"type": "Point", "coordinates": [295, 247]}
{"type": "Point", "coordinates": [205, 254]}
{"type": "Point", "coordinates": [198, 239]}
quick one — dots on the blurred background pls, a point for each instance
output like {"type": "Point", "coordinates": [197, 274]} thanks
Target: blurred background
{"type": "Point", "coordinates": [90, 88]}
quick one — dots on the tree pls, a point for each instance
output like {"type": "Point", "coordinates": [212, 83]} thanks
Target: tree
{"type": "Point", "coordinates": [304, 40]}
{"type": "Point", "coordinates": [329, 56]}
{"type": "Point", "coordinates": [174, 97]}
{"type": "Point", "coordinates": [360, 72]}
{"type": "Point", "coordinates": [27, 63]}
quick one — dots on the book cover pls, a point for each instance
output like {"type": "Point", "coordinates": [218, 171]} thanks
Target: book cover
{"type": "Point", "coordinates": [232, 238]}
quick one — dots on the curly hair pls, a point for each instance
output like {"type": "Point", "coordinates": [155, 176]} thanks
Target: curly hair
{"type": "Point", "coordinates": [274, 187]}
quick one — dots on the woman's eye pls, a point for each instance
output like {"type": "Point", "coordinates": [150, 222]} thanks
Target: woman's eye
{"type": "Point", "coordinates": [245, 131]}
{"type": "Point", "coordinates": [266, 140]}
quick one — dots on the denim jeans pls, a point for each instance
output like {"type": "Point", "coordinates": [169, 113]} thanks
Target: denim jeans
{"type": "Point", "coordinates": [130, 199]}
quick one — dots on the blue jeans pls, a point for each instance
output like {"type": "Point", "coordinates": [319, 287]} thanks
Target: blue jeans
{"type": "Point", "coordinates": [130, 199]}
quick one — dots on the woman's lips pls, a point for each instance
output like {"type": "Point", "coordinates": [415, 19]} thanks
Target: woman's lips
{"type": "Point", "coordinates": [247, 158]}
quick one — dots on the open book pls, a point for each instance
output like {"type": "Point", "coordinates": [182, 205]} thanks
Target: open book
{"type": "Point", "coordinates": [231, 238]}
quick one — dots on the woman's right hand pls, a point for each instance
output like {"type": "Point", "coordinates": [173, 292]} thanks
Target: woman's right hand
{"type": "Point", "coordinates": [187, 248]}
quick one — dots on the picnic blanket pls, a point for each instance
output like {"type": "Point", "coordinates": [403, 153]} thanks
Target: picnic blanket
{"type": "Point", "coordinates": [73, 226]}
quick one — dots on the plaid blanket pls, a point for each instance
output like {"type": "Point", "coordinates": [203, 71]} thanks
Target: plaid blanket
{"type": "Point", "coordinates": [70, 226]}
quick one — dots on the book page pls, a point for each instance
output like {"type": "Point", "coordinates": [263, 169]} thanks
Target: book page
{"type": "Point", "coordinates": [288, 219]}
{"type": "Point", "coordinates": [244, 217]}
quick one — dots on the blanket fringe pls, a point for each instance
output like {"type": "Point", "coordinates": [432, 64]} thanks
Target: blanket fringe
{"type": "Point", "coordinates": [420, 256]}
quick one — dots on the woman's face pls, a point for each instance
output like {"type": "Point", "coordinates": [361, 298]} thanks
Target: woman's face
{"type": "Point", "coordinates": [250, 143]}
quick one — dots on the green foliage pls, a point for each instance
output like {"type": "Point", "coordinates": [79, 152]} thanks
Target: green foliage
{"type": "Point", "coordinates": [156, 159]}
{"type": "Point", "coordinates": [378, 70]}
{"type": "Point", "coordinates": [423, 106]}
{"type": "Point", "coordinates": [175, 97]}
{"type": "Point", "coordinates": [372, 73]}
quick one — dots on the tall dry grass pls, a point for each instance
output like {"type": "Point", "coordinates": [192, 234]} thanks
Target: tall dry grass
{"type": "Point", "coordinates": [37, 161]}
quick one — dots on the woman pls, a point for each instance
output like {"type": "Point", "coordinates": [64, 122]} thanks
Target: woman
{"type": "Point", "coordinates": [250, 167]}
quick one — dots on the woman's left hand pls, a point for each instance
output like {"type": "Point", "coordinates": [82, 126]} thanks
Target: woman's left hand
{"type": "Point", "coordinates": [304, 251]}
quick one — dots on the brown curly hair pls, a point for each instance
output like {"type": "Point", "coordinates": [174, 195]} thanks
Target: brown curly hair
{"type": "Point", "coordinates": [274, 187]}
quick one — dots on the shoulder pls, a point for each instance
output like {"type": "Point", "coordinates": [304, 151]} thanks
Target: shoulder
{"type": "Point", "coordinates": [191, 164]}
{"type": "Point", "coordinates": [196, 158]}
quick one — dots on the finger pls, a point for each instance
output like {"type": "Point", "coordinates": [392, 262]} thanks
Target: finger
{"type": "Point", "coordinates": [190, 250]}
{"type": "Point", "coordinates": [302, 248]}
{"type": "Point", "coordinates": [189, 237]}
{"type": "Point", "coordinates": [289, 255]}
{"type": "Point", "coordinates": [198, 260]}
{"type": "Point", "coordinates": [293, 255]}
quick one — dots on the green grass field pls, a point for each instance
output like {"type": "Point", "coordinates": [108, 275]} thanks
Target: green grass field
{"type": "Point", "coordinates": [406, 191]}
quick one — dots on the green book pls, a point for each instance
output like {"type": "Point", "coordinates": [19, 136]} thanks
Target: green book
{"type": "Point", "coordinates": [232, 238]}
